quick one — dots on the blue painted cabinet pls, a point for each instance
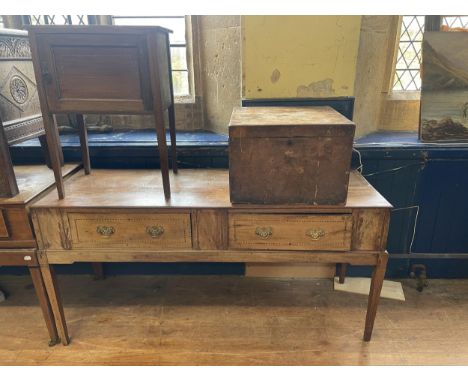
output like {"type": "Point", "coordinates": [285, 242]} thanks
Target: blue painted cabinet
{"type": "Point", "coordinates": [427, 185]}
{"type": "Point", "coordinates": [405, 171]}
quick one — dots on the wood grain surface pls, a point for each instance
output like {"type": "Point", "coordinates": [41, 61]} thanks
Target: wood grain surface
{"type": "Point", "coordinates": [230, 320]}
{"type": "Point", "coordinates": [289, 155]}
{"type": "Point", "coordinates": [131, 230]}
{"type": "Point", "coordinates": [15, 225]}
{"type": "Point", "coordinates": [100, 69]}
{"type": "Point", "coordinates": [293, 232]}
{"type": "Point", "coordinates": [69, 256]}
{"type": "Point", "coordinates": [200, 188]}
{"type": "Point", "coordinates": [33, 180]}
{"type": "Point", "coordinates": [199, 225]}
{"type": "Point", "coordinates": [288, 116]}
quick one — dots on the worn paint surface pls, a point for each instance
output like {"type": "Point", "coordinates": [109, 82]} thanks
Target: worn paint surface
{"type": "Point", "coordinates": [299, 56]}
{"type": "Point", "coordinates": [220, 69]}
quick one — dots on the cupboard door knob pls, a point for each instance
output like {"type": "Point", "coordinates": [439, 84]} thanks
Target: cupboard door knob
{"type": "Point", "coordinates": [315, 234]}
{"type": "Point", "coordinates": [264, 232]}
{"type": "Point", "coordinates": [155, 230]}
{"type": "Point", "coordinates": [105, 230]}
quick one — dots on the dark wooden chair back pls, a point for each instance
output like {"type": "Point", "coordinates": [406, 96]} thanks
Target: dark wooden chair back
{"type": "Point", "coordinates": [20, 113]}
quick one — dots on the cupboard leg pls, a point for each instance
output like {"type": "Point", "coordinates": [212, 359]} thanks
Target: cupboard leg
{"type": "Point", "coordinates": [54, 147]}
{"type": "Point", "coordinates": [172, 131]}
{"type": "Point", "coordinates": [163, 156]}
{"type": "Point", "coordinates": [55, 299]}
{"type": "Point", "coordinates": [158, 110]}
{"type": "Point", "coordinates": [171, 110]}
{"type": "Point", "coordinates": [59, 143]}
{"type": "Point", "coordinates": [374, 294]}
{"type": "Point", "coordinates": [45, 305]}
{"type": "Point", "coordinates": [83, 143]}
{"type": "Point", "coordinates": [45, 150]}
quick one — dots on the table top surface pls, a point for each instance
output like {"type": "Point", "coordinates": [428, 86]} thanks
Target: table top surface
{"type": "Point", "coordinates": [287, 116]}
{"type": "Point", "coordinates": [190, 188]}
{"type": "Point", "coordinates": [33, 180]}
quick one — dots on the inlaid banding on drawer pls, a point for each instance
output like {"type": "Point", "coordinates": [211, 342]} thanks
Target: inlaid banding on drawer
{"type": "Point", "coordinates": [157, 231]}
{"type": "Point", "coordinates": [290, 232]}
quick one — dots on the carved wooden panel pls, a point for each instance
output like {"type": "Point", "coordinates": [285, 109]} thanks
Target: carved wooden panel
{"type": "Point", "coordinates": [20, 113]}
{"type": "Point", "coordinates": [20, 130]}
{"type": "Point", "coordinates": [18, 92]}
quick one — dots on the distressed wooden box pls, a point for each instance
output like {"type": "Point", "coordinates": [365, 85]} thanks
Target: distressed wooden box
{"type": "Point", "coordinates": [289, 155]}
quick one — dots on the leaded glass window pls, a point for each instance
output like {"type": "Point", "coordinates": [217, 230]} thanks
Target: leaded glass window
{"type": "Point", "coordinates": [58, 19]}
{"type": "Point", "coordinates": [455, 21]}
{"type": "Point", "coordinates": [408, 64]}
{"type": "Point", "coordinates": [178, 45]}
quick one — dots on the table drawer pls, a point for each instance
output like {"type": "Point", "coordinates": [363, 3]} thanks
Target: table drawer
{"type": "Point", "coordinates": [290, 232]}
{"type": "Point", "coordinates": [135, 230]}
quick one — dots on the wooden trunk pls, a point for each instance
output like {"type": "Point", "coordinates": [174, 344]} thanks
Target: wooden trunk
{"type": "Point", "coordinates": [289, 155]}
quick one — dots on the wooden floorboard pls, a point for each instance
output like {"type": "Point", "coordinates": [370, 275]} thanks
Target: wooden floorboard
{"type": "Point", "coordinates": [228, 320]}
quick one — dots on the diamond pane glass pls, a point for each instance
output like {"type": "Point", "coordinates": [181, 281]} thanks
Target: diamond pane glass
{"type": "Point", "coordinates": [407, 70]}
{"type": "Point", "coordinates": [59, 19]}
{"type": "Point", "coordinates": [455, 21]}
{"type": "Point", "coordinates": [37, 20]}
{"type": "Point", "coordinates": [180, 76]}
{"type": "Point", "coordinates": [79, 19]}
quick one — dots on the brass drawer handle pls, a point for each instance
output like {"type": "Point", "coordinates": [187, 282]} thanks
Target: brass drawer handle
{"type": "Point", "coordinates": [315, 234]}
{"type": "Point", "coordinates": [105, 230]}
{"type": "Point", "coordinates": [155, 230]}
{"type": "Point", "coordinates": [264, 232]}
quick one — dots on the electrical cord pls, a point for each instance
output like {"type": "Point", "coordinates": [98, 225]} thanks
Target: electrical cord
{"type": "Point", "coordinates": [360, 169]}
{"type": "Point", "coordinates": [361, 166]}
{"type": "Point", "coordinates": [414, 226]}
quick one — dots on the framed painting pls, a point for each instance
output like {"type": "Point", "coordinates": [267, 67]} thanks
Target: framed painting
{"type": "Point", "coordinates": [444, 91]}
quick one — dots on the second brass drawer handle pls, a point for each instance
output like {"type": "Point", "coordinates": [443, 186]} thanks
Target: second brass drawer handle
{"type": "Point", "coordinates": [264, 232]}
{"type": "Point", "coordinates": [155, 230]}
{"type": "Point", "coordinates": [315, 234]}
{"type": "Point", "coordinates": [105, 230]}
